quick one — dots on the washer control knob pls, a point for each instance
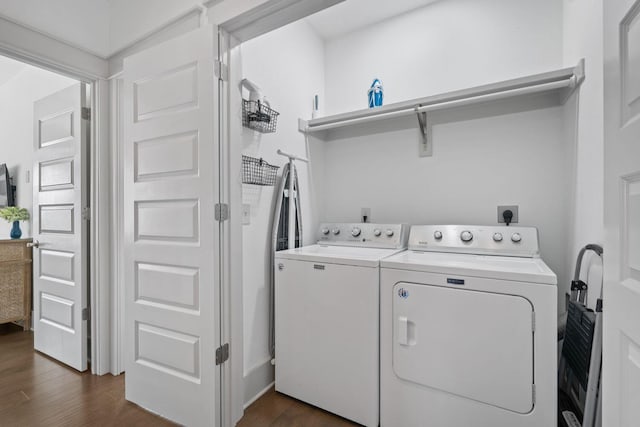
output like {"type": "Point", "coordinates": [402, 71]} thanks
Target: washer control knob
{"type": "Point", "coordinates": [325, 231]}
{"type": "Point", "coordinates": [497, 237]}
{"type": "Point", "coordinates": [336, 231]}
{"type": "Point", "coordinates": [516, 238]}
{"type": "Point", "coordinates": [355, 232]}
{"type": "Point", "coordinates": [466, 236]}
{"type": "Point", "coordinates": [389, 232]}
{"type": "Point", "coordinates": [437, 234]}
{"type": "Point", "coordinates": [377, 232]}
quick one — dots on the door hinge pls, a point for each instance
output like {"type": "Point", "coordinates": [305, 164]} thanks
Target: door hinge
{"type": "Point", "coordinates": [222, 354]}
{"type": "Point", "coordinates": [86, 113]}
{"type": "Point", "coordinates": [86, 214]}
{"type": "Point", "coordinates": [222, 212]}
{"type": "Point", "coordinates": [533, 390]}
{"type": "Point", "coordinates": [221, 70]}
{"type": "Point", "coordinates": [533, 321]}
{"type": "Point", "coordinates": [85, 314]}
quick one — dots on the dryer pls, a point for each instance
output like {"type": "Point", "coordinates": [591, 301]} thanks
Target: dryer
{"type": "Point", "coordinates": [327, 318]}
{"type": "Point", "coordinates": [468, 330]}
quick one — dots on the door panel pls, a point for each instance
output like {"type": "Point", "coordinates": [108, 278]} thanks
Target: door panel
{"type": "Point", "coordinates": [621, 335]}
{"type": "Point", "coordinates": [477, 345]}
{"type": "Point", "coordinates": [172, 239]}
{"type": "Point", "coordinates": [60, 276]}
{"type": "Point", "coordinates": [326, 330]}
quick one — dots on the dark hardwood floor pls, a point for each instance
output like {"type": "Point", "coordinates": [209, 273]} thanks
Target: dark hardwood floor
{"type": "Point", "coordinates": [38, 391]}
{"type": "Point", "coordinates": [277, 410]}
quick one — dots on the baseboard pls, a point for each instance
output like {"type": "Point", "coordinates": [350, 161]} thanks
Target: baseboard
{"type": "Point", "coordinates": [258, 381]}
{"type": "Point", "coordinates": [259, 395]}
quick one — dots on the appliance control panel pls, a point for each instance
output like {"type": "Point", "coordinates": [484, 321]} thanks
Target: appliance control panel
{"type": "Point", "coordinates": [476, 239]}
{"type": "Point", "coordinates": [392, 236]}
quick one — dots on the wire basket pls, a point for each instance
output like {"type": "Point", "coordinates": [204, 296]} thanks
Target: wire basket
{"type": "Point", "coordinates": [258, 172]}
{"type": "Point", "coordinates": [259, 116]}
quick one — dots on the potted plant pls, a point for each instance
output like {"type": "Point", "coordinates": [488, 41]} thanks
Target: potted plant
{"type": "Point", "coordinates": [14, 214]}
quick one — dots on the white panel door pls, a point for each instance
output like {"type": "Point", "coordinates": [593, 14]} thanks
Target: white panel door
{"type": "Point", "coordinates": [171, 164]}
{"type": "Point", "coordinates": [621, 352]}
{"type": "Point", "coordinates": [60, 275]}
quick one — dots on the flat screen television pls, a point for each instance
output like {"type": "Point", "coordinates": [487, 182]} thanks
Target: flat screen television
{"type": "Point", "coordinates": [6, 190]}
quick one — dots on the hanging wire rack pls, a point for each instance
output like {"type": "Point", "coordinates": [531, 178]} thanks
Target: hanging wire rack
{"type": "Point", "coordinates": [258, 172]}
{"type": "Point", "coordinates": [259, 116]}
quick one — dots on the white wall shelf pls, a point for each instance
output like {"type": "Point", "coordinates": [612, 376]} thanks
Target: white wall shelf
{"type": "Point", "coordinates": [558, 85]}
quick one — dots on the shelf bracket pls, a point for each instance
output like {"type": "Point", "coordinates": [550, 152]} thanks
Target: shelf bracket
{"type": "Point", "coordinates": [426, 143]}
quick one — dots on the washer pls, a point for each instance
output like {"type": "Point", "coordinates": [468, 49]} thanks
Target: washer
{"type": "Point", "coordinates": [468, 330]}
{"type": "Point", "coordinates": [327, 318]}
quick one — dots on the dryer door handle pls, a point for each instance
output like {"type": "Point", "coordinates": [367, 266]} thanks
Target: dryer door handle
{"type": "Point", "coordinates": [403, 330]}
{"type": "Point", "coordinates": [406, 331]}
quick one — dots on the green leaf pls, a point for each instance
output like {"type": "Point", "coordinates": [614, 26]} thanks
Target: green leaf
{"type": "Point", "coordinates": [14, 213]}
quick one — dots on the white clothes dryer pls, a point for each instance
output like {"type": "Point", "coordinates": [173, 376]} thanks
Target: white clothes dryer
{"type": "Point", "coordinates": [468, 330]}
{"type": "Point", "coordinates": [327, 300]}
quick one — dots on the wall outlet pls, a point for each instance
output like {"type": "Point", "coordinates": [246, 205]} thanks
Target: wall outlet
{"type": "Point", "coordinates": [512, 208]}
{"type": "Point", "coordinates": [246, 214]}
{"type": "Point", "coordinates": [365, 214]}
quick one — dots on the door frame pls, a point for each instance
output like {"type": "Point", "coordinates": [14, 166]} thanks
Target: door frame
{"type": "Point", "coordinates": [99, 194]}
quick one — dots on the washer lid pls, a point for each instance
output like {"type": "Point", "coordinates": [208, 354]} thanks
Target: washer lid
{"type": "Point", "coordinates": [345, 255]}
{"type": "Point", "coordinates": [532, 270]}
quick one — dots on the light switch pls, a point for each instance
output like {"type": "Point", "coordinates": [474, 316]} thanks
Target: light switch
{"type": "Point", "coordinates": [246, 214]}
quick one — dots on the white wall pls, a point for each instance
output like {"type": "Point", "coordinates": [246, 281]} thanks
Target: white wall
{"type": "Point", "coordinates": [583, 38]}
{"type": "Point", "coordinates": [447, 45]}
{"type": "Point", "coordinates": [16, 130]}
{"type": "Point", "coordinates": [288, 66]}
{"type": "Point", "coordinates": [514, 157]}
{"type": "Point", "coordinates": [133, 20]}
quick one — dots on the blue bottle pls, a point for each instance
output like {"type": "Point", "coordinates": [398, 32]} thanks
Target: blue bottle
{"type": "Point", "coordinates": [376, 94]}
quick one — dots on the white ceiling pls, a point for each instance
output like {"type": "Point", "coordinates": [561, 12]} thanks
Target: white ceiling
{"type": "Point", "coordinates": [81, 23]}
{"type": "Point", "coordinates": [103, 27]}
{"type": "Point", "coordinates": [9, 69]}
{"type": "Point", "coordinates": [353, 15]}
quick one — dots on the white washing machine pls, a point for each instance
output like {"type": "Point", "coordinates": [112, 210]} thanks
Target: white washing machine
{"type": "Point", "coordinates": [468, 330]}
{"type": "Point", "coordinates": [327, 300]}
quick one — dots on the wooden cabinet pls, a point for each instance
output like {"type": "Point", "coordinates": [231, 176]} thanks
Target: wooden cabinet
{"type": "Point", "coordinates": [15, 281]}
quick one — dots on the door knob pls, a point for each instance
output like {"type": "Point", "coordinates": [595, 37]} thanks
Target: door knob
{"type": "Point", "coordinates": [34, 244]}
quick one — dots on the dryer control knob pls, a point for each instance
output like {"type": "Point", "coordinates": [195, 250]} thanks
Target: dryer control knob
{"type": "Point", "coordinates": [325, 231]}
{"type": "Point", "coordinates": [466, 236]}
{"type": "Point", "coordinates": [377, 232]}
{"type": "Point", "coordinates": [437, 234]}
{"type": "Point", "coordinates": [355, 232]}
{"type": "Point", "coordinates": [497, 237]}
{"type": "Point", "coordinates": [336, 231]}
{"type": "Point", "coordinates": [389, 232]}
{"type": "Point", "coordinates": [516, 238]}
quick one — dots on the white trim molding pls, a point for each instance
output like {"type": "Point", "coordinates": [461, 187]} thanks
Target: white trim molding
{"type": "Point", "coordinates": [33, 47]}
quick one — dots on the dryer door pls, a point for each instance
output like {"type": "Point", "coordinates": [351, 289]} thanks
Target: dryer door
{"type": "Point", "coordinates": [477, 345]}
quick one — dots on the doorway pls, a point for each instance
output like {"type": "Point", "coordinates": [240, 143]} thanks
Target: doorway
{"type": "Point", "coordinates": [45, 144]}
